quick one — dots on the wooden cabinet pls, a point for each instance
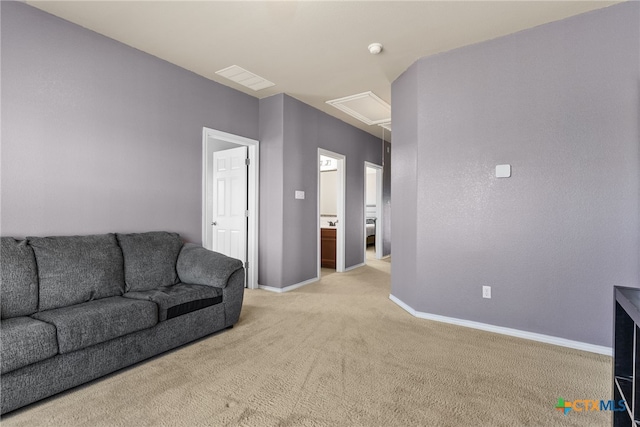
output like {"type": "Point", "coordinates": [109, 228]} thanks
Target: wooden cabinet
{"type": "Point", "coordinates": [626, 355]}
{"type": "Point", "coordinates": [328, 247]}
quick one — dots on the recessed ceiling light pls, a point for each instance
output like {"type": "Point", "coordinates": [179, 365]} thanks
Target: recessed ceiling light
{"type": "Point", "coordinates": [245, 78]}
{"type": "Point", "coordinates": [366, 107]}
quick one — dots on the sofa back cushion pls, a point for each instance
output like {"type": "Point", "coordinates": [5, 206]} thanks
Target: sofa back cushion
{"type": "Point", "coordinates": [77, 269]}
{"type": "Point", "coordinates": [150, 259]}
{"type": "Point", "coordinates": [18, 279]}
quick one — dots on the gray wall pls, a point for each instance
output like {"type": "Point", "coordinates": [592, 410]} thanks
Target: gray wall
{"type": "Point", "coordinates": [271, 197]}
{"type": "Point", "coordinates": [560, 103]}
{"type": "Point", "coordinates": [295, 157]}
{"type": "Point", "coordinates": [404, 174]}
{"type": "Point", "coordinates": [98, 136]}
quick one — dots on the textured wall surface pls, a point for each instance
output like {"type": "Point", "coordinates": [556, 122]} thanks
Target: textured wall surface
{"type": "Point", "coordinates": [560, 104]}
{"type": "Point", "coordinates": [404, 175]}
{"type": "Point", "coordinates": [271, 176]}
{"type": "Point", "coordinates": [98, 136]}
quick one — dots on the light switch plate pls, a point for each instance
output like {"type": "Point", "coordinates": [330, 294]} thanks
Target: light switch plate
{"type": "Point", "coordinates": [503, 171]}
{"type": "Point", "coordinates": [299, 195]}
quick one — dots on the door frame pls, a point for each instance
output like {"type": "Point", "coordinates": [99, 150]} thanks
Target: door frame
{"type": "Point", "coordinates": [379, 171]}
{"type": "Point", "coordinates": [253, 184]}
{"type": "Point", "coordinates": [341, 205]}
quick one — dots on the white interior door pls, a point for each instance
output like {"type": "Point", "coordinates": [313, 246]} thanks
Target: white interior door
{"type": "Point", "coordinates": [229, 220]}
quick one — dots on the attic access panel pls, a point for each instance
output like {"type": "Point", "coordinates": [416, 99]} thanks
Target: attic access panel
{"type": "Point", "coordinates": [366, 107]}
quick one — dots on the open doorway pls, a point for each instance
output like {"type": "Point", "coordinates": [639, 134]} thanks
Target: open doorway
{"type": "Point", "coordinates": [372, 211]}
{"type": "Point", "coordinates": [230, 171]}
{"type": "Point", "coordinates": [331, 211]}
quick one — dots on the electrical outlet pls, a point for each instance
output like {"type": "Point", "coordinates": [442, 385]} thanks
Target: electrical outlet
{"type": "Point", "coordinates": [486, 292]}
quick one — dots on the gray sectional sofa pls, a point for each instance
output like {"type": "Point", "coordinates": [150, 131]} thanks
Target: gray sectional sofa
{"type": "Point", "coordinates": [79, 307]}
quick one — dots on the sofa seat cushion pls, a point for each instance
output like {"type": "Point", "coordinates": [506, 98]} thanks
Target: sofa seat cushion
{"type": "Point", "coordinates": [179, 299]}
{"type": "Point", "coordinates": [77, 269]}
{"type": "Point", "coordinates": [24, 341]}
{"type": "Point", "coordinates": [149, 259]}
{"type": "Point", "coordinates": [19, 279]}
{"type": "Point", "coordinates": [82, 325]}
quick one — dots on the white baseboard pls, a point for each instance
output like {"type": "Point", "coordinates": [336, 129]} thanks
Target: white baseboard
{"type": "Point", "coordinates": [578, 345]}
{"type": "Point", "coordinates": [288, 288]}
{"type": "Point", "coordinates": [353, 267]}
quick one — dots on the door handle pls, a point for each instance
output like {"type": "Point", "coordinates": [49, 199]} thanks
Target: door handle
{"type": "Point", "coordinates": [214, 223]}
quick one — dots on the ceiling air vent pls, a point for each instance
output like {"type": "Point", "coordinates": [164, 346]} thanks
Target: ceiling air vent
{"type": "Point", "coordinates": [245, 78]}
{"type": "Point", "coordinates": [366, 107]}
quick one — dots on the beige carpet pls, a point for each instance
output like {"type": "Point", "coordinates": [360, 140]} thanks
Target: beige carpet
{"type": "Point", "coordinates": [339, 353]}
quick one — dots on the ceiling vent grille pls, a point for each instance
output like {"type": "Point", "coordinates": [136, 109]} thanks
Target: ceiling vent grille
{"type": "Point", "coordinates": [245, 78]}
{"type": "Point", "coordinates": [366, 107]}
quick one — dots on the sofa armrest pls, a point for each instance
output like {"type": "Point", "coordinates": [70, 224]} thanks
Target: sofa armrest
{"type": "Point", "coordinates": [232, 296]}
{"type": "Point", "coordinates": [199, 266]}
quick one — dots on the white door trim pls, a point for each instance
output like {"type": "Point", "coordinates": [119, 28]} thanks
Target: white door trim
{"type": "Point", "coordinates": [340, 232]}
{"type": "Point", "coordinates": [253, 194]}
{"type": "Point", "coordinates": [379, 171]}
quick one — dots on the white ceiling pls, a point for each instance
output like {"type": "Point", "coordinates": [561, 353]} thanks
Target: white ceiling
{"type": "Point", "coordinates": [312, 50]}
